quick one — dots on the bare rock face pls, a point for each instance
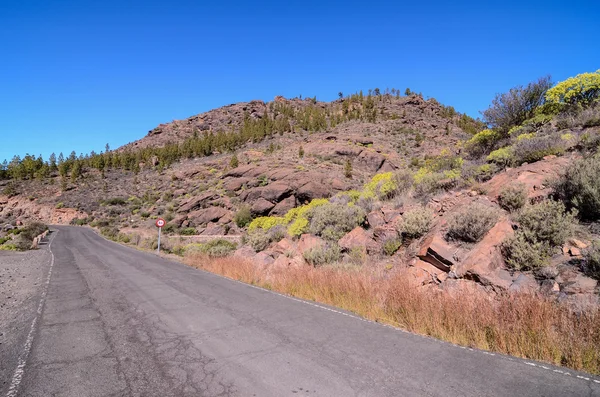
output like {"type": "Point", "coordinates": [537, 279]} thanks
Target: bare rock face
{"type": "Point", "coordinates": [308, 241]}
{"type": "Point", "coordinates": [359, 238]}
{"type": "Point", "coordinates": [371, 160]}
{"type": "Point", "coordinates": [375, 218]}
{"type": "Point", "coordinates": [261, 206]}
{"type": "Point", "coordinates": [572, 282]}
{"type": "Point", "coordinates": [525, 283]}
{"type": "Point", "coordinates": [214, 229]}
{"type": "Point", "coordinates": [533, 176]}
{"type": "Point", "coordinates": [197, 202]}
{"type": "Point", "coordinates": [284, 206]}
{"type": "Point", "coordinates": [234, 184]}
{"type": "Point", "coordinates": [211, 214]}
{"type": "Point", "coordinates": [485, 263]}
{"type": "Point", "coordinates": [438, 252]}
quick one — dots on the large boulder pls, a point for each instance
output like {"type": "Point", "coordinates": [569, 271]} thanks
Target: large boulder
{"type": "Point", "coordinates": [214, 229]}
{"type": "Point", "coordinates": [573, 282]}
{"type": "Point", "coordinates": [375, 218]}
{"type": "Point", "coordinates": [313, 190]}
{"type": "Point", "coordinates": [284, 206]}
{"type": "Point", "coordinates": [234, 184]}
{"type": "Point", "coordinates": [438, 252]}
{"type": "Point", "coordinates": [524, 283]}
{"type": "Point", "coordinates": [261, 206]}
{"type": "Point", "coordinates": [370, 160]}
{"type": "Point", "coordinates": [484, 263]}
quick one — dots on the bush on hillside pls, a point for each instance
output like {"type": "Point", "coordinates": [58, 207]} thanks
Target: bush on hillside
{"type": "Point", "coordinates": [547, 221]}
{"type": "Point", "coordinates": [333, 221]}
{"type": "Point", "coordinates": [583, 90]}
{"type": "Point", "coordinates": [513, 197]}
{"type": "Point", "coordinates": [502, 157]}
{"type": "Point", "coordinates": [579, 187]}
{"type": "Point", "coordinates": [215, 248]}
{"type": "Point", "coordinates": [416, 222]}
{"type": "Point", "coordinates": [522, 254]}
{"type": "Point", "coordinates": [323, 255]}
{"type": "Point", "coordinates": [391, 245]}
{"type": "Point", "coordinates": [243, 216]}
{"type": "Point", "coordinates": [482, 142]}
{"type": "Point", "coordinates": [472, 222]}
{"type": "Point", "coordinates": [592, 260]}
{"type": "Point", "coordinates": [538, 147]}
{"type": "Point", "coordinates": [517, 105]}
{"type": "Point", "coordinates": [260, 239]}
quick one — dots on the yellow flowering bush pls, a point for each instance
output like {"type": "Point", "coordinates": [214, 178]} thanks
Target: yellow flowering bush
{"type": "Point", "coordinates": [582, 89]}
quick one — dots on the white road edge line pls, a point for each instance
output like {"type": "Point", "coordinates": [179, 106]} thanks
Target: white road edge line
{"type": "Point", "coordinates": [20, 370]}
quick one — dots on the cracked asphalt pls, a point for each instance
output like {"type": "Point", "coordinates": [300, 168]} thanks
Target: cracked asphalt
{"type": "Point", "coordinates": [118, 322]}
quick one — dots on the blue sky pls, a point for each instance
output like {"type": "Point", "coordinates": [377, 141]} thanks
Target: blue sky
{"type": "Point", "coordinates": [75, 75]}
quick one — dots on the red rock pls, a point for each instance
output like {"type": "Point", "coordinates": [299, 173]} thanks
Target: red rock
{"type": "Point", "coordinates": [308, 241]}
{"type": "Point", "coordinates": [261, 206]}
{"type": "Point", "coordinates": [213, 229]}
{"type": "Point", "coordinates": [284, 206]}
{"type": "Point", "coordinates": [416, 276]}
{"type": "Point", "coordinates": [375, 218]}
{"type": "Point", "coordinates": [485, 262]}
{"type": "Point", "coordinates": [370, 160]}
{"type": "Point", "coordinates": [575, 252]}
{"type": "Point", "coordinates": [284, 246]}
{"type": "Point", "coordinates": [578, 243]}
{"type": "Point", "coordinates": [438, 252]}
{"type": "Point", "coordinates": [573, 282]}
{"type": "Point", "coordinates": [263, 258]}
{"type": "Point", "coordinates": [235, 184]}
{"type": "Point", "coordinates": [359, 238]}
{"type": "Point", "coordinates": [196, 202]}
{"type": "Point", "coordinates": [206, 215]}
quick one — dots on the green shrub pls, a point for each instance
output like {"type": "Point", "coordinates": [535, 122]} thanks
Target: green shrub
{"type": "Point", "coordinates": [59, 205]}
{"type": "Point", "coordinates": [214, 248]}
{"type": "Point", "coordinates": [523, 254]}
{"type": "Point", "coordinates": [259, 239]}
{"type": "Point", "coordinates": [333, 221]}
{"type": "Point", "coordinates": [546, 222]}
{"type": "Point", "coordinates": [115, 201]}
{"type": "Point", "coordinates": [482, 142]}
{"type": "Point", "coordinates": [188, 231]}
{"type": "Point", "coordinates": [503, 157]}
{"type": "Point", "coordinates": [579, 187]}
{"type": "Point", "coordinates": [144, 214]}
{"type": "Point", "coordinates": [391, 245]}
{"type": "Point", "coordinates": [33, 230]}
{"type": "Point", "coordinates": [4, 240]}
{"type": "Point", "coordinates": [428, 183]}
{"type": "Point", "coordinates": [471, 223]}
{"type": "Point", "coordinates": [322, 255]}
{"type": "Point", "coordinates": [110, 232]}
{"type": "Point", "coordinates": [513, 197]}
{"type": "Point", "coordinates": [243, 216]}
{"type": "Point", "coordinates": [416, 222]}
{"type": "Point", "coordinates": [592, 260]}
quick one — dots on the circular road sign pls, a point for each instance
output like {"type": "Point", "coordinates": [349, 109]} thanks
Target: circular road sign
{"type": "Point", "coordinates": [160, 222]}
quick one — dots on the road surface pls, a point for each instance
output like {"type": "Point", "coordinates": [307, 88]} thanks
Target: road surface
{"type": "Point", "coordinates": [118, 322]}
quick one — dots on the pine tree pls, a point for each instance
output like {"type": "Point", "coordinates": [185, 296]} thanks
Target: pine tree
{"type": "Point", "coordinates": [301, 152]}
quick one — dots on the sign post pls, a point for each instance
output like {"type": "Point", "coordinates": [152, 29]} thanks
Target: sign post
{"type": "Point", "coordinates": [159, 224]}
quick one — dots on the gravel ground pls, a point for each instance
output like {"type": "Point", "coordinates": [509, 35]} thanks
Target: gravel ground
{"type": "Point", "coordinates": [22, 277]}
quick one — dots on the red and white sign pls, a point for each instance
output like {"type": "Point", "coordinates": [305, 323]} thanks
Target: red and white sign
{"type": "Point", "coordinates": [160, 222]}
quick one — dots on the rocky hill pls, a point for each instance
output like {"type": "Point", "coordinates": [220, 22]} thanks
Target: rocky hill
{"type": "Point", "coordinates": [396, 182]}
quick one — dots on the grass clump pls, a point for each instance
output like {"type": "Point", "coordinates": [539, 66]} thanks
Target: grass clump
{"type": "Point", "coordinates": [416, 222]}
{"type": "Point", "coordinates": [513, 197]}
{"type": "Point", "coordinates": [391, 245]}
{"type": "Point", "coordinates": [472, 222]}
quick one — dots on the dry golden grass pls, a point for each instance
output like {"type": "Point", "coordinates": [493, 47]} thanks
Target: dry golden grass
{"type": "Point", "coordinates": [523, 325]}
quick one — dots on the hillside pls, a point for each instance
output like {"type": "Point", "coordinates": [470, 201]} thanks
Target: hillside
{"type": "Point", "coordinates": [384, 180]}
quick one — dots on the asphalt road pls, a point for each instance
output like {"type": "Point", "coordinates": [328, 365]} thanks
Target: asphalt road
{"type": "Point", "coordinates": [118, 322]}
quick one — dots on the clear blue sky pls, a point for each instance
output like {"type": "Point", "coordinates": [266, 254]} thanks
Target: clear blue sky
{"type": "Point", "coordinates": [77, 74]}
